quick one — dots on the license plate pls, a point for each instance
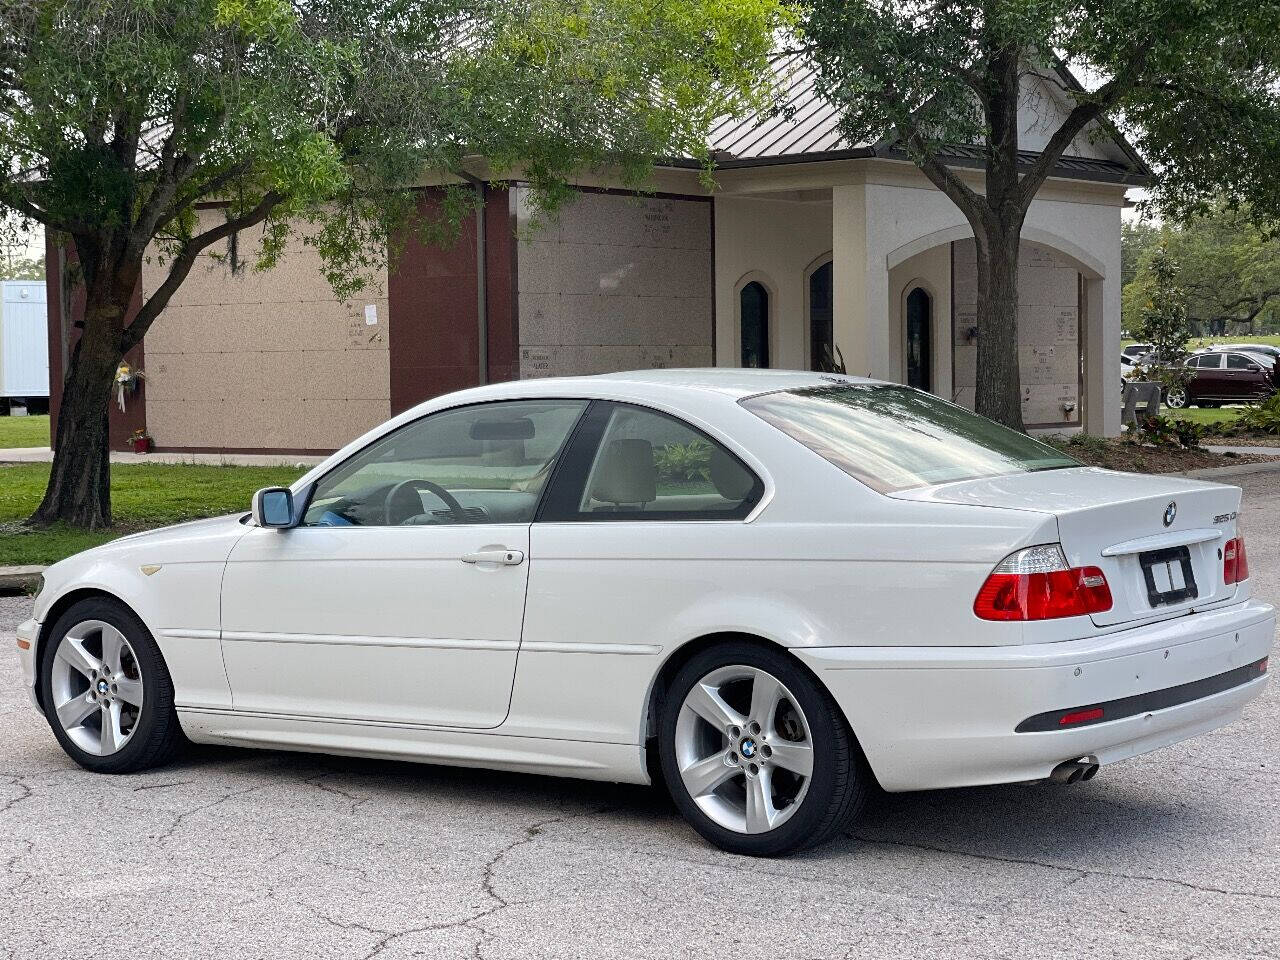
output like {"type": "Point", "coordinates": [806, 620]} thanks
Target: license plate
{"type": "Point", "coordinates": [1169, 576]}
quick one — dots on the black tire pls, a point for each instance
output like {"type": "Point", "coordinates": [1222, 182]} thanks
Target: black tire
{"type": "Point", "coordinates": [840, 782]}
{"type": "Point", "coordinates": [157, 735]}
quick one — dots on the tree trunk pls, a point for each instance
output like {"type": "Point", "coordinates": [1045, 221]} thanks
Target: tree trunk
{"type": "Point", "coordinates": [999, 384]}
{"type": "Point", "coordinates": [79, 490]}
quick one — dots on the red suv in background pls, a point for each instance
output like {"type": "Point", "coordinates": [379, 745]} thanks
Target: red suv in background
{"type": "Point", "coordinates": [1224, 377]}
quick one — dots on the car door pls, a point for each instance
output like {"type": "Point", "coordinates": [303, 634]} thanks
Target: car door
{"type": "Point", "coordinates": [1245, 377]}
{"type": "Point", "coordinates": [400, 596]}
{"type": "Point", "coordinates": [1206, 379]}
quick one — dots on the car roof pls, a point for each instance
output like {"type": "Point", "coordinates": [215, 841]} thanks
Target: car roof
{"type": "Point", "coordinates": [731, 382]}
{"type": "Point", "coordinates": [734, 380]}
{"type": "Point", "coordinates": [1243, 348]}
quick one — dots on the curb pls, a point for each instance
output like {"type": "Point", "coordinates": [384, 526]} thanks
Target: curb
{"type": "Point", "coordinates": [20, 579]}
{"type": "Point", "coordinates": [1235, 470]}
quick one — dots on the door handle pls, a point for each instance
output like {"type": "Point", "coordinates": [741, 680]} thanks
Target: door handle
{"type": "Point", "coordinates": [508, 558]}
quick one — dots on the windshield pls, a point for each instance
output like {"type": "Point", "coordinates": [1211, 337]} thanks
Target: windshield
{"type": "Point", "coordinates": [896, 438]}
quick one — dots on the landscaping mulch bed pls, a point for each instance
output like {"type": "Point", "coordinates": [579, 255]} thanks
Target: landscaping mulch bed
{"type": "Point", "coordinates": [1136, 458]}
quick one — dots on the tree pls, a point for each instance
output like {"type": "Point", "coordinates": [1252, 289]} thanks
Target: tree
{"type": "Point", "coordinates": [1228, 264]}
{"type": "Point", "coordinates": [1136, 238]}
{"type": "Point", "coordinates": [19, 267]}
{"type": "Point", "coordinates": [119, 117]}
{"type": "Point", "coordinates": [16, 245]}
{"type": "Point", "coordinates": [1163, 320]}
{"type": "Point", "coordinates": [1195, 82]}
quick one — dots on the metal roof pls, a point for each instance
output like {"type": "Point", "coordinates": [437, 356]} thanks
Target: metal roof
{"type": "Point", "coordinates": [802, 126]}
{"type": "Point", "coordinates": [801, 122]}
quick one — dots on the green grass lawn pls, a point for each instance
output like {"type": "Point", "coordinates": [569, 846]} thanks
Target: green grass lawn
{"type": "Point", "coordinates": [1196, 343]}
{"type": "Point", "coordinates": [142, 496]}
{"type": "Point", "coordinates": [24, 432]}
{"type": "Point", "coordinates": [1206, 415]}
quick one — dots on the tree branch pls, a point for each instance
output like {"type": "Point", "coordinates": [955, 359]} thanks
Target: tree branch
{"type": "Point", "coordinates": [940, 175]}
{"type": "Point", "coordinates": [132, 335]}
{"type": "Point", "coordinates": [1084, 113]}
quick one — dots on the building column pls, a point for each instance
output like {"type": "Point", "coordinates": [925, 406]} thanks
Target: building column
{"type": "Point", "coordinates": [861, 288]}
{"type": "Point", "coordinates": [849, 276]}
{"type": "Point", "coordinates": [1102, 355]}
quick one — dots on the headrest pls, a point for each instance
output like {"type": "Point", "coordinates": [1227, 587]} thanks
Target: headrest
{"type": "Point", "coordinates": [521, 428]}
{"type": "Point", "coordinates": [627, 473]}
{"type": "Point", "coordinates": [731, 480]}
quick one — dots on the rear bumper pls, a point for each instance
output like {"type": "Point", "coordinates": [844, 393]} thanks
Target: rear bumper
{"type": "Point", "coordinates": [930, 717]}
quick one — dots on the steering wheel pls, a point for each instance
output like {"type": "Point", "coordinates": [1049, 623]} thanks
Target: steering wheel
{"type": "Point", "coordinates": [403, 501]}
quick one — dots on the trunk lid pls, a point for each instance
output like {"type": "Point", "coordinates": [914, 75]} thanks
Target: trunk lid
{"type": "Point", "coordinates": [1117, 522]}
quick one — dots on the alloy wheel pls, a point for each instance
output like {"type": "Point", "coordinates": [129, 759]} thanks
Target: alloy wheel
{"type": "Point", "coordinates": [97, 688]}
{"type": "Point", "coordinates": [1176, 398]}
{"type": "Point", "coordinates": [744, 749]}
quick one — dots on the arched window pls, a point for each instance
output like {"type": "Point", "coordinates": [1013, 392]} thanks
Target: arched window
{"type": "Point", "coordinates": [918, 340]}
{"type": "Point", "coordinates": [754, 321]}
{"type": "Point", "coordinates": [822, 346]}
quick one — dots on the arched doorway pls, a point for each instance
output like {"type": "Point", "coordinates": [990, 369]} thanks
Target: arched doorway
{"type": "Point", "coordinates": [822, 352]}
{"type": "Point", "coordinates": [753, 320]}
{"type": "Point", "coordinates": [918, 339]}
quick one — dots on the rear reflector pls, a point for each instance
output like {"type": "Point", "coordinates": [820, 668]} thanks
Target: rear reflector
{"type": "Point", "coordinates": [24, 644]}
{"type": "Point", "coordinates": [1080, 716]}
{"type": "Point", "coordinates": [1037, 584]}
{"type": "Point", "coordinates": [1235, 562]}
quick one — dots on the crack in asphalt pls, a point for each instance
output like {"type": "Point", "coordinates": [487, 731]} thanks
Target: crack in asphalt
{"type": "Point", "coordinates": [352, 798]}
{"type": "Point", "coordinates": [488, 881]}
{"type": "Point", "coordinates": [162, 786]}
{"type": "Point", "coordinates": [1065, 868]}
{"type": "Point", "coordinates": [182, 816]}
{"type": "Point", "coordinates": [25, 792]}
{"type": "Point", "coordinates": [11, 868]}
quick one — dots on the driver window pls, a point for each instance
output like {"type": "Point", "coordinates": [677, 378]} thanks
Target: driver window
{"type": "Point", "coordinates": [485, 463]}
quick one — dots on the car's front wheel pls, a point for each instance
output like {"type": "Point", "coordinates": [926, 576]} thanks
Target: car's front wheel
{"type": "Point", "coordinates": [756, 754]}
{"type": "Point", "coordinates": [106, 690]}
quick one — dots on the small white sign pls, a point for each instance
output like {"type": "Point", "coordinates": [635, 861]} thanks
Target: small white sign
{"type": "Point", "coordinates": [370, 313]}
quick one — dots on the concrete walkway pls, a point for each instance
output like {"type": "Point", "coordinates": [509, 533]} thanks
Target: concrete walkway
{"type": "Point", "coordinates": [45, 455]}
{"type": "Point", "coordinates": [1245, 451]}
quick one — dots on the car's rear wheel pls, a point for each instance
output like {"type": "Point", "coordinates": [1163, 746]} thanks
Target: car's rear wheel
{"type": "Point", "coordinates": [756, 754]}
{"type": "Point", "coordinates": [106, 690]}
{"type": "Point", "coordinates": [1176, 398]}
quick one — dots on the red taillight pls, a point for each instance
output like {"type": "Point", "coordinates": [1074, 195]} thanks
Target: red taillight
{"type": "Point", "coordinates": [1037, 584]}
{"type": "Point", "coordinates": [1235, 562]}
{"type": "Point", "coordinates": [1080, 716]}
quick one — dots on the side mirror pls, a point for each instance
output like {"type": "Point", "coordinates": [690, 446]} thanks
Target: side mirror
{"type": "Point", "coordinates": [1254, 368]}
{"type": "Point", "coordinates": [273, 507]}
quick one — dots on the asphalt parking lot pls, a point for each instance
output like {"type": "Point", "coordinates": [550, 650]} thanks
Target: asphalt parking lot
{"type": "Point", "coordinates": [237, 853]}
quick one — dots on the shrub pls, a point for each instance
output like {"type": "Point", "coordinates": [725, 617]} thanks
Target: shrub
{"type": "Point", "coordinates": [683, 462]}
{"type": "Point", "coordinates": [1264, 418]}
{"type": "Point", "coordinates": [1158, 431]}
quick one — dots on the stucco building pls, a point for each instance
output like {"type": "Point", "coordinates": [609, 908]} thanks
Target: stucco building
{"type": "Point", "coordinates": [809, 247]}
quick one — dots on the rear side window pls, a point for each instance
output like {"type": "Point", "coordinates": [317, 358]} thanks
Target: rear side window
{"type": "Point", "coordinates": [633, 463]}
{"type": "Point", "coordinates": [896, 438]}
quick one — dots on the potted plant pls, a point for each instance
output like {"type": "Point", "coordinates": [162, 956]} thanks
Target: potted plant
{"type": "Point", "coordinates": [140, 440]}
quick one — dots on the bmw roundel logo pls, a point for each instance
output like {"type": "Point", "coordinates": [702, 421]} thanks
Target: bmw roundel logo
{"type": "Point", "coordinates": [748, 748]}
{"type": "Point", "coordinates": [1170, 512]}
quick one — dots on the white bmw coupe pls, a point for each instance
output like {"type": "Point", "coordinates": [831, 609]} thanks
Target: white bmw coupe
{"type": "Point", "coordinates": [768, 590]}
